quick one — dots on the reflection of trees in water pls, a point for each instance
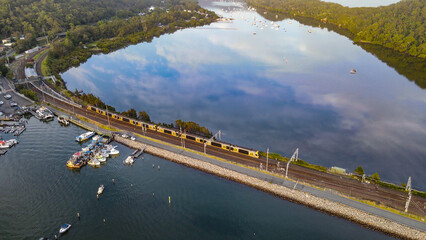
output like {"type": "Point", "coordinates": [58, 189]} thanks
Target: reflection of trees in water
{"type": "Point", "coordinates": [414, 69]}
{"type": "Point", "coordinates": [411, 67]}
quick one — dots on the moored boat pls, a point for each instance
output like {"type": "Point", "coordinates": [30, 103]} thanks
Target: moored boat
{"type": "Point", "coordinates": [65, 227]}
{"type": "Point", "coordinates": [84, 136]}
{"type": "Point", "coordinates": [4, 145]}
{"type": "Point", "coordinates": [129, 160]}
{"type": "Point", "coordinates": [94, 162]}
{"type": "Point", "coordinates": [63, 120]}
{"type": "Point", "coordinates": [101, 189]}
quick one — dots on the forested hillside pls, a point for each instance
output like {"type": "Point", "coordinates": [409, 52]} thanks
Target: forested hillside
{"type": "Point", "coordinates": [35, 18]}
{"type": "Point", "coordinates": [400, 26]}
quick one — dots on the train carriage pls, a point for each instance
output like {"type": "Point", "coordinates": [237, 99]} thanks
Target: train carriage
{"type": "Point", "coordinates": [191, 137]}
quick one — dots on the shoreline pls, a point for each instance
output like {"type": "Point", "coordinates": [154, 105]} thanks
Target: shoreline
{"type": "Point", "coordinates": [358, 216]}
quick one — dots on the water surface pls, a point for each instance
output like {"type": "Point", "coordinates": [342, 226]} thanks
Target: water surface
{"type": "Point", "coordinates": [38, 194]}
{"type": "Point", "coordinates": [283, 87]}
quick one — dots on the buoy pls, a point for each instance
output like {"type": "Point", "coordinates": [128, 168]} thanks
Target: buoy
{"type": "Point", "coordinates": [78, 215]}
{"type": "Point", "coordinates": [153, 194]}
{"type": "Point", "coordinates": [170, 201]}
{"type": "Point", "coordinates": [152, 165]}
{"type": "Point", "coordinates": [131, 185]}
{"type": "Point", "coordinates": [113, 181]}
{"type": "Point", "coordinates": [158, 168]}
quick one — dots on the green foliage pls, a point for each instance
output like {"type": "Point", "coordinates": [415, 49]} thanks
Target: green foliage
{"type": "Point", "coordinates": [375, 176]}
{"type": "Point", "coordinates": [144, 116]}
{"type": "Point", "coordinates": [299, 162]}
{"type": "Point", "coordinates": [399, 26]}
{"type": "Point", "coordinates": [35, 18]}
{"type": "Point", "coordinates": [118, 33]}
{"type": "Point", "coordinates": [29, 94]}
{"type": "Point", "coordinates": [359, 170]}
{"type": "Point", "coordinates": [131, 113]}
{"type": "Point", "coordinates": [3, 70]}
{"type": "Point", "coordinates": [193, 127]}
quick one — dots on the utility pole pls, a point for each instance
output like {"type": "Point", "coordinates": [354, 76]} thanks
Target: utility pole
{"type": "Point", "coordinates": [293, 158]}
{"type": "Point", "coordinates": [182, 141]}
{"type": "Point", "coordinates": [408, 184]}
{"type": "Point", "coordinates": [408, 187]}
{"type": "Point", "coordinates": [109, 123]}
{"type": "Point", "coordinates": [267, 158]}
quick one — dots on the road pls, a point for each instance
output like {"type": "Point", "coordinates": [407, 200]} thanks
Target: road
{"type": "Point", "coordinates": [339, 183]}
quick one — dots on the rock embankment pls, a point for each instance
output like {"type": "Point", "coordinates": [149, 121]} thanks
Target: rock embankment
{"type": "Point", "coordinates": [353, 214]}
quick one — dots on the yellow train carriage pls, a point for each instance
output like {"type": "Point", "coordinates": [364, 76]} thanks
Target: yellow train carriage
{"type": "Point", "coordinates": [167, 131]}
{"type": "Point", "coordinates": [153, 127]}
{"type": "Point", "coordinates": [193, 138]}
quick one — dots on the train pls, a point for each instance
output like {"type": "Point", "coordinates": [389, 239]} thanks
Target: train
{"type": "Point", "coordinates": [176, 133]}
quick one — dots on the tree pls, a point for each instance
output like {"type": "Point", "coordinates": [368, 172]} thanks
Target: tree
{"type": "Point", "coordinates": [131, 113]}
{"type": "Point", "coordinates": [359, 170]}
{"type": "Point", "coordinates": [375, 176]}
{"type": "Point", "coordinates": [3, 70]}
{"type": "Point", "coordinates": [144, 116]}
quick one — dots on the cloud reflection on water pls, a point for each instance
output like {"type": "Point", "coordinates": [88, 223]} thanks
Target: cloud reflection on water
{"type": "Point", "coordinates": [240, 83]}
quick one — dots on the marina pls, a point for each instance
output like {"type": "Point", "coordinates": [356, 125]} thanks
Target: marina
{"type": "Point", "coordinates": [93, 154]}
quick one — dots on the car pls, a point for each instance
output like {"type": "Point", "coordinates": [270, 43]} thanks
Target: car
{"type": "Point", "coordinates": [7, 96]}
{"type": "Point", "coordinates": [13, 104]}
{"type": "Point", "coordinates": [1, 103]}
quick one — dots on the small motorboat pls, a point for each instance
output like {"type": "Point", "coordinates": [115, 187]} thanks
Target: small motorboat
{"type": "Point", "coordinates": [84, 136]}
{"type": "Point", "coordinates": [353, 71]}
{"type": "Point", "coordinates": [101, 158]}
{"type": "Point", "coordinates": [4, 144]}
{"type": "Point", "coordinates": [12, 142]}
{"type": "Point", "coordinates": [94, 163]}
{"type": "Point", "coordinates": [65, 227]}
{"type": "Point", "coordinates": [101, 189]}
{"type": "Point", "coordinates": [63, 120]}
{"type": "Point", "coordinates": [129, 160]}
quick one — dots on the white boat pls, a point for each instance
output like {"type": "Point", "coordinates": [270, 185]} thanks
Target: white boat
{"type": "Point", "coordinates": [129, 160]}
{"type": "Point", "coordinates": [101, 189]}
{"type": "Point", "coordinates": [111, 150]}
{"type": "Point", "coordinates": [96, 138]}
{"type": "Point", "coordinates": [63, 120]}
{"type": "Point", "coordinates": [12, 142]}
{"type": "Point", "coordinates": [94, 163]}
{"type": "Point", "coordinates": [101, 158]}
{"type": "Point", "coordinates": [4, 144]}
{"type": "Point", "coordinates": [84, 136]}
{"type": "Point", "coordinates": [114, 152]}
{"type": "Point", "coordinates": [65, 227]}
{"type": "Point", "coordinates": [44, 113]}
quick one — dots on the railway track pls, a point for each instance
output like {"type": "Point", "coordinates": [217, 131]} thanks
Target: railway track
{"type": "Point", "coordinates": [345, 185]}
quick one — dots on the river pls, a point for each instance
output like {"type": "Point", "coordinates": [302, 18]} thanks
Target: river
{"type": "Point", "coordinates": [39, 193]}
{"type": "Point", "coordinates": [282, 87]}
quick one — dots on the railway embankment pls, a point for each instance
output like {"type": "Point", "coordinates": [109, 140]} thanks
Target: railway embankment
{"type": "Point", "coordinates": [364, 218]}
